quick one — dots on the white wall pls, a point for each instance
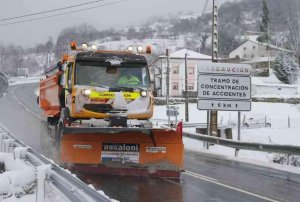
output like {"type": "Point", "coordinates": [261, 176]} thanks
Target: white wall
{"type": "Point", "coordinates": [274, 89]}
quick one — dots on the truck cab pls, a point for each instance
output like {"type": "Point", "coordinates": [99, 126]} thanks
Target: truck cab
{"type": "Point", "coordinates": [100, 85]}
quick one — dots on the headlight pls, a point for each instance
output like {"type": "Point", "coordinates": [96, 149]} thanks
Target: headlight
{"type": "Point", "coordinates": [140, 48]}
{"type": "Point", "coordinates": [84, 46]}
{"type": "Point", "coordinates": [94, 47]}
{"type": "Point", "coordinates": [143, 93]}
{"type": "Point", "coordinates": [130, 48]}
{"type": "Point", "coordinates": [87, 92]}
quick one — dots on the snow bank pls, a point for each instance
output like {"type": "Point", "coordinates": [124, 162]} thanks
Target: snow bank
{"type": "Point", "coordinates": [280, 115]}
{"type": "Point", "coordinates": [23, 80]}
{"type": "Point", "coordinates": [18, 179]}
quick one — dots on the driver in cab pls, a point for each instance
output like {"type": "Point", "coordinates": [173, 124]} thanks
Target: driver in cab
{"type": "Point", "coordinates": [128, 77]}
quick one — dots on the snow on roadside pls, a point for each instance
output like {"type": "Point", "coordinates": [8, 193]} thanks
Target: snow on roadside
{"type": "Point", "coordinates": [24, 80]}
{"type": "Point", "coordinates": [278, 133]}
{"type": "Point", "coordinates": [18, 179]}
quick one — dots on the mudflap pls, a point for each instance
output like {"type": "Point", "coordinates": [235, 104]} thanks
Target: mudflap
{"type": "Point", "coordinates": [123, 151]}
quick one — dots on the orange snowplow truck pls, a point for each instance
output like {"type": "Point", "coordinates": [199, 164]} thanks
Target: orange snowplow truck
{"type": "Point", "coordinates": [101, 103]}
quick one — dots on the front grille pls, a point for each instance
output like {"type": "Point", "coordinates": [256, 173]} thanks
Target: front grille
{"type": "Point", "coordinates": [99, 108]}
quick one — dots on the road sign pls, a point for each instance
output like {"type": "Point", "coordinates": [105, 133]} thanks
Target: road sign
{"type": "Point", "coordinates": [224, 69]}
{"type": "Point", "coordinates": [172, 111]}
{"type": "Point", "coordinates": [224, 87]}
{"type": "Point", "coordinates": [224, 105]}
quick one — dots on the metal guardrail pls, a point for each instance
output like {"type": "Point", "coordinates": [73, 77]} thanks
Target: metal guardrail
{"type": "Point", "coordinates": [69, 186]}
{"type": "Point", "coordinates": [287, 149]}
{"type": "Point", "coordinates": [186, 124]}
{"type": "Point", "coordinates": [254, 146]}
{"type": "Point", "coordinates": [3, 84]}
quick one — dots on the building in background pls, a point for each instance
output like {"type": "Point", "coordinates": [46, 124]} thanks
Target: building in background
{"type": "Point", "coordinates": [259, 55]}
{"type": "Point", "coordinates": [158, 69]}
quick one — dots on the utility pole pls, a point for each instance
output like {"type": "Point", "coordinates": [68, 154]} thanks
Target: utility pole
{"type": "Point", "coordinates": [186, 90]}
{"type": "Point", "coordinates": [168, 80]}
{"type": "Point", "coordinates": [269, 62]}
{"type": "Point", "coordinates": [48, 60]}
{"type": "Point", "coordinates": [214, 114]}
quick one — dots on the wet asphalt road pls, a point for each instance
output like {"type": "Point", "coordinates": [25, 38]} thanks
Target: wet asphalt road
{"type": "Point", "coordinates": [206, 178]}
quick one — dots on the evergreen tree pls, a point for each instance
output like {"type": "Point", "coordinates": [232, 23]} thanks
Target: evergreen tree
{"type": "Point", "coordinates": [264, 25]}
{"type": "Point", "coordinates": [286, 68]}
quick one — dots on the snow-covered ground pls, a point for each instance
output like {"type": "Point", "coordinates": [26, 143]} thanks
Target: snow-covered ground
{"type": "Point", "coordinates": [279, 132]}
{"type": "Point", "coordinates": [284, 118]}
{"type": "Point", "coordinates": [17, 180]}
{"type": "Point", "coordinates": [20, 181]}
{"type": "Point", "coordinates": [272, 87]}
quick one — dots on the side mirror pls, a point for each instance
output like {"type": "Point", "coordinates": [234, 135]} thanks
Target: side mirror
{"type": "Point", "coordinates": [64, 67]}
{"type": "Point", "coordinates": [62, 80]}
{"type": "Point", "coordinates": [68, 89]}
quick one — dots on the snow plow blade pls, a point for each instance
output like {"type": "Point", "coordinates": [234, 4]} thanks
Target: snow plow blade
{"type": "Point", "coordinates": [123, 151]}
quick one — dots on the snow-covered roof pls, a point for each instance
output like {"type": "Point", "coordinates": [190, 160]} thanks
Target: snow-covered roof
{"type": "Point", "coordinates": [191, 54]}
{"type": "Point", "coordinates": [253, 39]}
{"type": "Point", "coordinates": [270, 45]}
{"type": "Point", "coordinates": [250, 37]}
{"type": "Point", "coordinates": [259, 59]}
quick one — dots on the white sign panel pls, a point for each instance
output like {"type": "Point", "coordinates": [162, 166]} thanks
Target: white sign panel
{"type": "Point", "coordinates": [224, 105]}
{"type": "Point", "coordinates": [224, 68]}
{"type": "Point", "coordinates": [224, 87]}
{"type": "Point", "coordinates": [172, 111]}
{"type": "Point", "coordinates": [119, 152]}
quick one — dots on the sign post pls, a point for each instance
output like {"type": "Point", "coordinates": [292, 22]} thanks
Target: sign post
{"type": "Point", "coordinates": [172, 111]}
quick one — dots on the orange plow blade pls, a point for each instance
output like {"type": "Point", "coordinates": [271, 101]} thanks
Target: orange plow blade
{"type": "Point", "coordinates": [123, 151]}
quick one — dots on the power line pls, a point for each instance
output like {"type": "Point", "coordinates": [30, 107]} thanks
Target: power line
{"type": "Point", "coordinates": [60, 14]}
{"type": "Point", "coordinates": [50, 11]}
{"type": "Point", "coordinates": [204, 8]}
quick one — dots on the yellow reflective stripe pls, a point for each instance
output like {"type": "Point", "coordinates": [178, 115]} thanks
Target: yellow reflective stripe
{"type": "Point", "coordinates": [104, 95]}
{"type": "Point", "coordinates": [131, 95]}
{"type": "Point", "coordinates": [109, 95]}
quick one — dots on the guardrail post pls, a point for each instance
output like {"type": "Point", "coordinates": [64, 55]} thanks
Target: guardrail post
{"type": "Point", "coordinates": [42, 175]}
{"type": "Point", "coordinates": [208, 128]}
{"type": "Point", "coordinates": [288, 159]}
{"type": "Point", "coordinates": [20, 153]}
{"type": "Point", "coordinates": [7, 143]}
{"type": "Point", "coordinates": [289, 122]}
{"type": "Point", "coordinates": [239, 125]}
{"type": "Point", "coordinates": [2, 137]}
{"type": "Point", "coordinates": [236, 153]}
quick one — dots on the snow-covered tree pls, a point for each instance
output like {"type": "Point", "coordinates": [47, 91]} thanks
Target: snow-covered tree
{"type": "Point", "coordinates": [286, 68]}
{"type": "Point", "coordinates": [264, 25]}
{"type": "Point", "coordinates": [293, 23]}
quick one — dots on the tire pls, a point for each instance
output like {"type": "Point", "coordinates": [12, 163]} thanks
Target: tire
{"type": "Point", "coordinates": [58, 134]}
{"type": "Point", "coordinates": [268, 125]}
{"type": "Point", "coordinates": [246, 125]}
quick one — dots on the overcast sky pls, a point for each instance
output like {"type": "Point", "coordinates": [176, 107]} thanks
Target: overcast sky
{"type": "Point", "coordinates": [119, 15]}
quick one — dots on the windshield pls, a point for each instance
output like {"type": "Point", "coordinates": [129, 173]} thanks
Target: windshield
{"type": "Point", "coordinates": [93, 73]}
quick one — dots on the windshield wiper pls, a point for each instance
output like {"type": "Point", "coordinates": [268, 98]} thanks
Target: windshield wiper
{"type": "Point", "coordinates": [129, 88]}
{"type": "Point", "coordinates": [117, 88]}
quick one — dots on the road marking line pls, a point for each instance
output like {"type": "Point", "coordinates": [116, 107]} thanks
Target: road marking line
{"type": "Point", "coordinates": [200, 176]}
{"type": "Point", "coordinates": [22, 105]}
{"type": "Point", "coordinates": [208, 179]}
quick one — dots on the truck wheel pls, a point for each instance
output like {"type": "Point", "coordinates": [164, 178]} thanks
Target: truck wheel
{"type": "Point", "coordinates": [58, 135]}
